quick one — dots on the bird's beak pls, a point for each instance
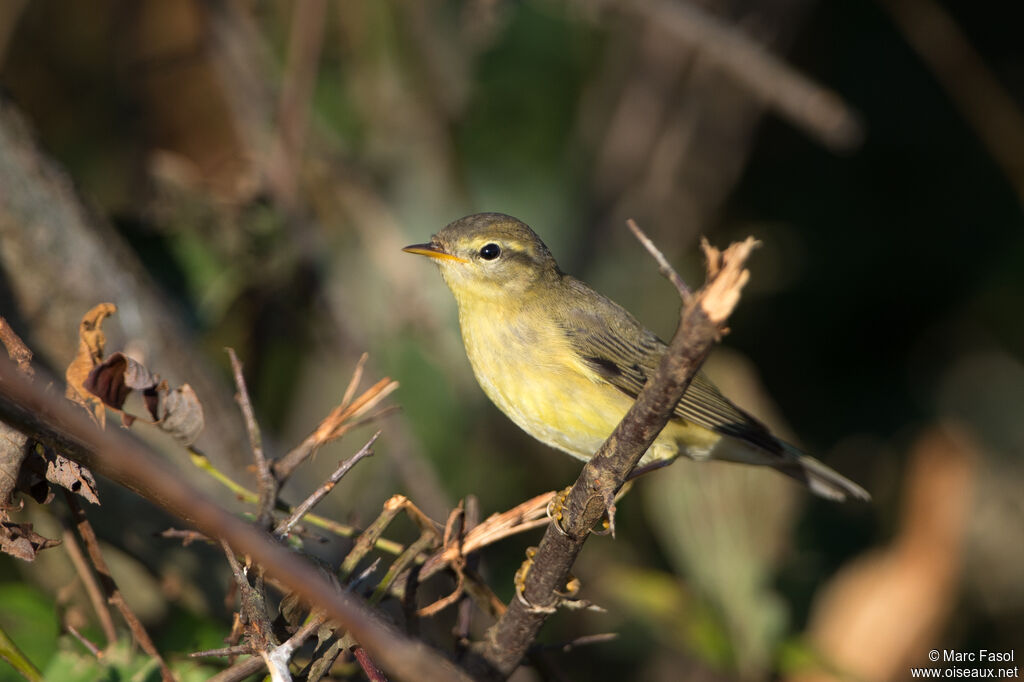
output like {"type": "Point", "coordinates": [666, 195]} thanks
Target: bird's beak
{"type": "Point", "coordinates": [433, 251]}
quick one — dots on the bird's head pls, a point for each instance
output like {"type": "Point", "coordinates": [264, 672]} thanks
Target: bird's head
{"type": "Point", "coordinates": [489, 256]}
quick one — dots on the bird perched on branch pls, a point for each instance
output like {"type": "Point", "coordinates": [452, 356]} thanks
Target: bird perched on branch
{"type": "Point", "coordinates": [565, 363]}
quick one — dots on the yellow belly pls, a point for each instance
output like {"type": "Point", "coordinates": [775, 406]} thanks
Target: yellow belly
{"type": "Point", "coordinates": [532, 374]}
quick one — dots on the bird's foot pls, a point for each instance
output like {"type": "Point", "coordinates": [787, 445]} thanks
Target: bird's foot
{"type": "Point", "coordinates": [556, 508]}
{"type": "Point", "coordinates": [565, 597]}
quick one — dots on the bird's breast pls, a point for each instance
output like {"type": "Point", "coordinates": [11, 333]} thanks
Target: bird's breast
{"type": "Point", "coordinates": [526, 366]}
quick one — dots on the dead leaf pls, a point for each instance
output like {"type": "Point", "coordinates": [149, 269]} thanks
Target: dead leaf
{"type": "Point", "coordinates": [113, 379]}
{"type": "Point", "coordinates": [72, 476]}
{"type": "Point", "coordinates": [178, 411]}
{"type": "Point", "coordinates": [181, 414]}
{"type": "Point", "coordinates": [20, 541]}
{"type": "Point", "coordinates": [91, 341]}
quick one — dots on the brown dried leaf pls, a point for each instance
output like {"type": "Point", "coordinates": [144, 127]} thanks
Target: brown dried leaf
{"type": "Point", "coordinates": [177, 412]}
{"type": "Point", "coordinates": [113, 379]}
{"type": "Point", "coordinates": [72, 476]}
{"type": "Point", "coordinates": [181, 413]}
{"type": "Point", "coordinates": [91, 341]}
{"type": "Point", "coordinates": [20, 541]}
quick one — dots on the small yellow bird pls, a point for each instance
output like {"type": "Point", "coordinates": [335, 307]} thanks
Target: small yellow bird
{"type": "Point", "coordinates": [565, 363]}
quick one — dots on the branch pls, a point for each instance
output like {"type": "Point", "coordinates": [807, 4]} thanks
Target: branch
{"type": "Point", "coordinates": [267, 482]}
{"type": "Point", "coordinates": [285, 527]}
{"type": "Point", "coordinates": [126, 461]}
{"type": "Point", "coordinates": [12, 444]}
{"type": "Point", "coordinates": [701, 324]}
{"type": "Point", "coordinates": [92, 588]}
{"type": "Point", "coordinates": [113, 592]}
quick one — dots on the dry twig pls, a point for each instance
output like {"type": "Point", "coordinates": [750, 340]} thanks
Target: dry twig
{"type": "Point", "coordinates": [115, 455]}
{"type": "Point", "coordinates": [267, 482]}
{"type": "Point", "coordinates": [342, 418]}
{"type": "Point", "coordinates": [92, 588]}
{"type": "Point", "coordinates": [285, 527]}
{"type": "Point", "coordinates": [114, 596]}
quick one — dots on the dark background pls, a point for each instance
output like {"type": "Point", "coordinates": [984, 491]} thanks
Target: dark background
{"type": "Point", "coordinates": [262, 163]}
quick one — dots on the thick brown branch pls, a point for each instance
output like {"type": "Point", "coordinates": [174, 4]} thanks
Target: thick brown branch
{"type": "Point", "coordinates": [701, 324]}
{"type": "Point", "coordinates": [124, 460]}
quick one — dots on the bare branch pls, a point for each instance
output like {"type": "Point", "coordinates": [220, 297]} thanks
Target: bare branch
{"type": "Point", "coordinates": [285, 527]}
{"type": "Point", "coordinates": [83, 640]}
{"type": "Point", "coordinates": [114, 595]}
{"type": "Point", "coordinates": [664, 266]}
{"type": "Point", "coordinates": [92, 588]}
{"type": "Point", "coordinates": [341, 419]}
{"type": "Point", "coordinates": [267, 482]}
{"type": "Point", "coordinates": [374, 673]}
{"type": "Point", "coordinates": [225, 652]}
{"type": "Point", "coordinates": [16, 348]}
{"type": "Point", "coordinates": [124, 460]}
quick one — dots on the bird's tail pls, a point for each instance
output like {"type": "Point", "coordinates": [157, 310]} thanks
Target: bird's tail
{"type": "Point", "coordinates": [819, 478]}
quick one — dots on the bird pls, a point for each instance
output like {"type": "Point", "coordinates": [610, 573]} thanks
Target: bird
{"type": "Point", "coordinates": [566, 363]}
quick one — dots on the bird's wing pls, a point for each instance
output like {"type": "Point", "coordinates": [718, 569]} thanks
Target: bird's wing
{"type": "Point", "coordinates": [624, 353]}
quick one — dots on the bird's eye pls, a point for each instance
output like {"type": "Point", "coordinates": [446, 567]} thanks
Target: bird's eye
{"type": "Point", "coordinates": [490, 251]}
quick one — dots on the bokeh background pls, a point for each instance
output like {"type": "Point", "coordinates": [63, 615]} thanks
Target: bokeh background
{"type": "Point", "coordinates": [244, 174]}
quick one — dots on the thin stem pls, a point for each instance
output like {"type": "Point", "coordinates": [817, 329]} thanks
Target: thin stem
{"type": "Point", "coordinates": [664, 267]}
{"type": "Point", "coordinates": [114, 595]}
{"type": "Point", "coordinates": [285, 527]}
{"type": "Point", "coordinates": [266, 480]}
{"type": "Point", "coordinates": [92, 588]}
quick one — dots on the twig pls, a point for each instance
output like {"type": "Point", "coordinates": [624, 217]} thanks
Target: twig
{"type": "Point", "coordinates": [353, 383]}
{"type": "Point", "coordinates": [341, 419]}
{"type": "Point", "coordinates": [586, 640]}
{"type": "Point", "coordinates": [374, 673]}
{"type": "Point", "coordinates": [113, 454]}
{"type": "Point", "coordinates": [259, 634]}
{"type": "Point", "coordinates": [464, 619]}
{"type": "Point", "coordinates": [16, 348]}
{"type": "Point", "coordinates": [13, 450]}
{"type": "Point", "coordinates": [114, 596]}
{"type": "Point", "coordinates": [245, 495]}
{"type": "Point", "coordinates": [240, 671]}
{"type": "Point", "coordinates": [92, 587]}
{"type": "Point", "coordinates": [223, 652]}
{"type": "Point", "coordinates": [277, 658]}
{"type": "Point", "coordinates": [84, 641]}
{"type": "Point", "coordinates": [285, 527]}
{"type": "Point", "coordinates": [664, 267]}
{"type": "Point", "coordinates": [186, 536]}
{"type": "Point", "coordinates": [702, 320]}
{"type": "Point", "coordinates": [426, 541]}
{"type": "Point", "coordinates": [267, 482]}
{"type": "Point", "coordinates": [363, 577]}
